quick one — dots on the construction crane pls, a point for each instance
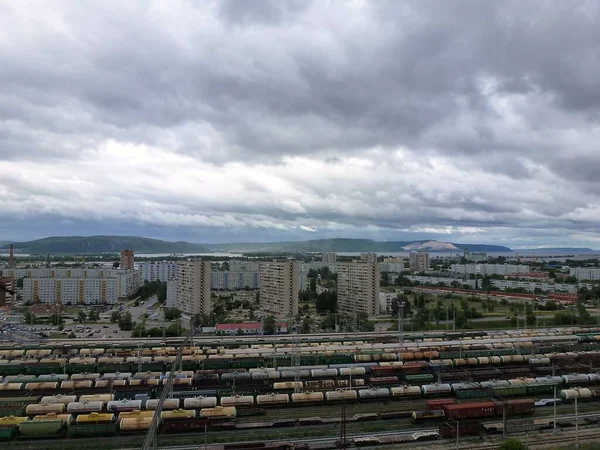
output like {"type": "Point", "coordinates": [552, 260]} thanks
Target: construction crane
{"type": "Point", "coordinates": [151, 439]}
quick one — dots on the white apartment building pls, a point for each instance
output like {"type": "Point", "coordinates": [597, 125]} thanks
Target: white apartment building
{"type": "Point", "coordinates": [329, 258]}
{"type": "Point", "coordinates": [126, 283]}
{"type": "Point", "coordinates": [243, 266]}
{"type": "Point", "coordinates": [585, 273]}
{"type": "Point", "coordinates": [193, 287]}
{"type": "Point", "coordinates": [444, 280]}
{"type": "Point", "coordinates": [129, 281]}
{"type": "Point", "coordinates": [71, 291]}
{"type": "Point", "coordinates": [234, 281]}
{"type": "Point", "coordinates": [316, 265]}
{"type": "Point", "coordinates": [171, 301]}
{"type": "Point", "coordinates": [418, 262]}
{"type": "Point", "coordinates": [489, 269]}
{"type": "Point", "coordinates": [396, 267]}
{"type": "Point", "coordinates": [385, 302]}
{"type": "Point", "coordinates": [358, 288]}
{"type": "Point", "coordinates": [368, 257]}
{"type": "Point", "coordinates": [158, 271]}
{"type": "Point", "coordinates": [279, 287]}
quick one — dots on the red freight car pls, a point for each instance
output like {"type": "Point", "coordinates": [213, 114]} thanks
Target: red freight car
{"type": "Point", "coordinates": [383, 370]}
{"type": "Point", "coordinates": [464, 427]}
{"type": "Point", "coordinates": [437, 403]}
{"type": "Point", "coordinates": [383, 380]}
{"type": "Point", "coordinates": [414, 367]}
{"type": "Point", "coordinates": [515, 407]}
{"type": "Point", "coordinates": [185, 425]}
{"type": "Point", "coordinates": [470, 410]}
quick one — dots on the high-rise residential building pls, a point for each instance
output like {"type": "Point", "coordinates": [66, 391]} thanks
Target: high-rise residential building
{"type": "Point", "coordinates": [158, 270]}
{"type": "Point", "coordinates": [358, 288]}
{"type": "Point", "coordinates": [38, 284]}
{"type": "Point", "coordinates": [6, 286]}
{"type": "Point", "coordinates": [418, 262]}
{"type": "Point", "coordinates": [71, 291]}
{"type": "Point", "coordinates": [126, 260]}
{"type": "Point", "coordinates": [329, 258]}
{"type": "Point", "coordinates": [279, 286]}
{"type": "Point", "coordinates": [368, 257]}
{"type": "Point", "coordinates": [171, 294]}
{"type": "Point", "coordinates": [193, 287]}
{"type": "Point", "coordinates": [234, 281]}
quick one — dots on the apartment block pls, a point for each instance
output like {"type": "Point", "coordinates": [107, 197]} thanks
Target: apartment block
{"type": "Point", "coordinates": [71, 291]}
{"type": "Point", "coordinates": [329, 258]}
{"type": "Point", "coordinates": [234, 281]}
{"type": "Point", "coordinates": [243, 266]}
{"type": "Point", "coordinates": [95, 285]}
{"type": "Point", "coordinates": [385, 302]}
{"type": "Point", "coordinates": [489, 269]}
{"type": "Point", "coordinates": [158, 271]}
{"type": "Point", "coordinates": [368, 257]}
{"type": "Point", "coordinates": [171, 301]}
{"type": "Point", "coordinates": [279, 286]}
{"type": "Point", "coordinates": [418, 262]}
{"type": "Point", "coordinates": [358, 288]}
{"type": "Point", "coordinates": [193, 287]}
{"type": "Point", "coordinates": [585, 273]}
{"type": "Point", "coordinates": [127, 262]}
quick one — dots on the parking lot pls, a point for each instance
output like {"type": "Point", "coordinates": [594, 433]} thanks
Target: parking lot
{"type": "Point", "coordinates": [89, 330]}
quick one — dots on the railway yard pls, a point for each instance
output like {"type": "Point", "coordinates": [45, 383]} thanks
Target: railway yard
{"type": "Point", "coordinates": [296, 394]}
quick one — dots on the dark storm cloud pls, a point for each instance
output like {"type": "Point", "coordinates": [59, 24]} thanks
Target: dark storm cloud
{"type": "Point", "coordinates": [275, 115]}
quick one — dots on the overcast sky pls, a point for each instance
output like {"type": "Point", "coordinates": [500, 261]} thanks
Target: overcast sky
{"type": "Point", "coordinates": [464, 121]}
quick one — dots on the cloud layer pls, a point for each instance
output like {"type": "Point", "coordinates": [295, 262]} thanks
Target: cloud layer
{"type": "Point", "coordinates": [227, 120]}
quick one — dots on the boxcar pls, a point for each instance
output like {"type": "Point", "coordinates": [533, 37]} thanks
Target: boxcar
{"type": "Point", "coordinates": [470, 410]}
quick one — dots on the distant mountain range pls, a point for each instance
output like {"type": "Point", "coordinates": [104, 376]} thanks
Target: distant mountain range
{"type": "Point", "coordinates": [557, 250]}
{"type": "Point", "coordinates": [104, 244]}
{"type": "Point", "coordinates": [111, 244]}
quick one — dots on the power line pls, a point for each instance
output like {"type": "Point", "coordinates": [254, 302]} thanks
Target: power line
{"type": "Point", "coordinates": [151, 439]}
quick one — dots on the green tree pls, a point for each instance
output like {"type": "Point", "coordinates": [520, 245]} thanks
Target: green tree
{"type": "Point", "coordinates": [175, 330]}
{"type": "Point", "coordinates": [307, 325]}
{"type": "Point", "coordinates": [512, 444]}
{"type": "Point", "coordinates": [270, 325]}
{"type": "Point", "coordinates": [81, 317]}
{"type": "Point", "coordinates": [385, 279]}
{"type": "Point", "coordinates": [125, 322]}
{"type": "Point", "coordinates": [328, 323]}
{"type": "Point", "coordinates": [172, 313]}
{"type": "Point", "coordinates": [239, 332]}
{"type": "Point", "coordinates": [29, 318]}
{"type": "Point", "coordinates": [56, 320]}
{"type": "Point", "coordinates": [115, 316]}
{"type": "Point", "coordinates": [93, 315]}
{"type": "Point", "coordinates": [461, 321]}
{"type": "Point", "coordinates": [19, 282]}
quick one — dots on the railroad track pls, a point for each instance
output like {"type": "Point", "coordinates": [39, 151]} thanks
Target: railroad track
{"type": "Point", "coordinates": [542, 439]}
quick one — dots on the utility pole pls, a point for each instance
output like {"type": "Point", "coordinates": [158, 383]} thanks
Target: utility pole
{"type": "Point", "coordinates": [446, 316]}
{"type": "Point", "coordinates": [400, 329]}
{"type": "Point", "coordinates": [576, 427]}
{"type": "Point", "coordinates": [151, 439]}
{"type": "Point", "coordinates": [342, 442]}
{"type": "Point", "coordinates": [554, 418]}
{"type": "Point", "coordinates": [503, 420]}
{"type": "Point", "coordinates": [457, 433]}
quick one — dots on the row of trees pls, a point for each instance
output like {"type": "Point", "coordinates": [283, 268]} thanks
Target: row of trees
{"type": "Point", "coordinates": [150, 288]}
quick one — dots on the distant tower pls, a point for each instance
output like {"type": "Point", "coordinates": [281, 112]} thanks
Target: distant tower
{"type": "Point", "coordinates": [126, 259]}
{"type": "Point", "coordinates": [11, 261]}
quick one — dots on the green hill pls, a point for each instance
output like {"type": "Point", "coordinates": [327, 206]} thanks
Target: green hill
{"type": "Point", "coordinates": [104, 244]}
